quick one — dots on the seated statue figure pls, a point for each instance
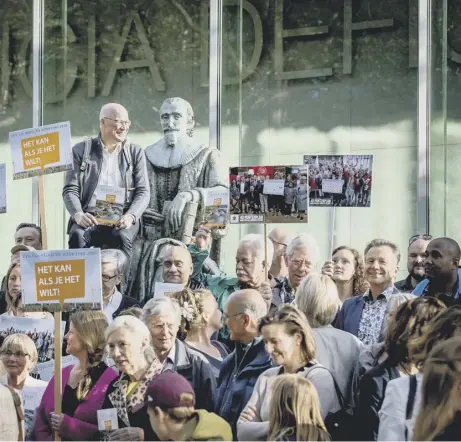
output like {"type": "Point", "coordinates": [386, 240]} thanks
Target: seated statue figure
{"type": "Point", "coordinates": [180, 169]}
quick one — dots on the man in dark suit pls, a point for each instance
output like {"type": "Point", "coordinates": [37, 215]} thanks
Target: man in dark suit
{"type": "Point", "coordinates": [365, 316]}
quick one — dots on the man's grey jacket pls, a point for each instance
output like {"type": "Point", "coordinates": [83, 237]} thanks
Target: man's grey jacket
{"type": "Point", "coordinates": [132, 163]}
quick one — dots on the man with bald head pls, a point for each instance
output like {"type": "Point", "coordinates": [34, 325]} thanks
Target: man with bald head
{"type": "Point", "coordinates": [442, 273]}
{"type": "Point", "coordinates": [108, 161]}
{"type": "Point", "coordinates": [241, 369]}
{"type": "Point", "coordinates": [177, 266]}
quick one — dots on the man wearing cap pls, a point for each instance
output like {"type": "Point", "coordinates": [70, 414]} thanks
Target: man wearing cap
{"type": "Point", "coordinates": [170, 402]}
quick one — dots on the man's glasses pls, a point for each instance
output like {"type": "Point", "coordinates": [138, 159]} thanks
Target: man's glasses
{"type": "Point", "coordinates": [126, 123]}
{"type": "Point", "coordinates": [226, 317]}
{"type": "Point", "coordinates": [18, 355]}
{"type": "Point", "coordinates": [426, 237]}
{"type": "Point", "coordinates": [108, 278]}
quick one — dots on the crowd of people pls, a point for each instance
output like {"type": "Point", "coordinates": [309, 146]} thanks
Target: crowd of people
{"type": "Point", "coordinates": [355, 178]}
{"type": "Point", "coordinates": [247, 195]}
{"type": "Point", "coordinates": [332, 351]}
{"type": "Point", "coordinates": [282, 348]}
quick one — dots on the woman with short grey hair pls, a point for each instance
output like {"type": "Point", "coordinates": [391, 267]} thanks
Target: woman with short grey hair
{"type": "Point", "coordinates": [317, 297]}
{"type": "Point", "coordinates": [128, 343]}
{"type": "Point", "coordinates": [163, 315]}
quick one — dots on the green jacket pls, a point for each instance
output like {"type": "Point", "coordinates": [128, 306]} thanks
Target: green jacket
{"type": "Point", "coordinates": [222, 287]}
{"type": "Point", "coordinates": [206, 426]}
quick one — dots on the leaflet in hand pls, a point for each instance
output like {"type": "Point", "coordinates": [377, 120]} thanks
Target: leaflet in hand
{"type": "Point", "coordinates": [109, 204]}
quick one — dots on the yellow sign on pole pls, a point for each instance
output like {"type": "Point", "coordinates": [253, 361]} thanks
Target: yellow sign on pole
{"type": "Point", "coordinates": [40, 150]}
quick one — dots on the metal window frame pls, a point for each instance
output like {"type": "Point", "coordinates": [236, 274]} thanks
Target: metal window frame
{"type": "Point", "coordinates": [215, 89]}
{"type": "Point", "coordinates": [424, 115]}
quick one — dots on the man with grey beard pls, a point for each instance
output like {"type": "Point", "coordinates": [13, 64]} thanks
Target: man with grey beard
{"type": "Point", "coordinates": [180, 169]}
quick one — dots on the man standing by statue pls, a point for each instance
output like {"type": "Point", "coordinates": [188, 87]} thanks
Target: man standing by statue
{"type": "Point", "coordinates": [106, 161]}
{"type": "Point", "coordinates": [180, 169]}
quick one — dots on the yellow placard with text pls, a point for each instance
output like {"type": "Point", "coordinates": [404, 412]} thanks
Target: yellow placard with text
{"type": "Point", "coordinates": [40, 150]}
{"type": "Point", "coordinates": [60, 280]}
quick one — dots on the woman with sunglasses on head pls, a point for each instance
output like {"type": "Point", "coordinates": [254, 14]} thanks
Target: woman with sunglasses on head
{"type": "Point", "coordinates": [417, 246]}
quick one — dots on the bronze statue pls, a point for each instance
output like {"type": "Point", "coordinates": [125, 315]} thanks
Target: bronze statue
{"type": "Point", "coordinates": [179, 170]}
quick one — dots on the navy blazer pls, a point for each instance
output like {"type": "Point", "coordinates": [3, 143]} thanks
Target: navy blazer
{"type": "Point", "coordinates": [349, 316]}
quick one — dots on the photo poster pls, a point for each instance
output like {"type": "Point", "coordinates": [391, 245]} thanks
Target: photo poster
{"type": "Point", "coordinates": [2, 188]}
{"type": "Point", "coordinates": [216, 208]}
{"type": "Point", "coordinates": [269, 194]}
{"type": "Point", "coordinates": [340, 180]}
{"type": "Point", "coordinates": [41, 150]}
{"type": "Point", "coordinates": [61, 280]}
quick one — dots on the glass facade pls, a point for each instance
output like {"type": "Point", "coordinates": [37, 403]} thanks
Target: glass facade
{"type": "Point", "coordinates": [269, 81]}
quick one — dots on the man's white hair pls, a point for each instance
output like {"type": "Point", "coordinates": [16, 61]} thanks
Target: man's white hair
{"type": "Point", "coordinates": [256, 242]}
{"type": "Point", "coordinates": [163, 305]}
{"type": "Point", "coordinates": [304, 241]}
{"type": "Point", "coordinates": [110, 110]}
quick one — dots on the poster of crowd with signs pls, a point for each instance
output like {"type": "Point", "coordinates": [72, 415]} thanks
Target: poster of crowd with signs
{"type": "Point", "coordinates": [340, 180]}
{"type": "Point", "coordinates": [268, 194]}
{"type": "Point", "coordinates": [216, 208]}
{"type": "Point", "coordinates": [3, 188]}
{"type": "Point", "coordinates": [41, 150]}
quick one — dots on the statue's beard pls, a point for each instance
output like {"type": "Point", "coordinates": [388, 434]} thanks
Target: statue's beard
{"type": "Point", "coordinates": [172, 137]}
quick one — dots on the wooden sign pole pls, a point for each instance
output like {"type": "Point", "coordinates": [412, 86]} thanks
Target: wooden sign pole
{"type": "Point", "coordinates": [266, 268]}
{"type": "Point", "coordinates": [332, 231]}
{"type": "Point", "coordinates": [57, 315]}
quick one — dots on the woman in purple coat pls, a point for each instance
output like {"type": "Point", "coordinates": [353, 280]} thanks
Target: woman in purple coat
{"type": "Point", "coordinates": [84, 384]}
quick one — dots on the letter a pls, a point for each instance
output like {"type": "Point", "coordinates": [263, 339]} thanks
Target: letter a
{"type": "Point", "coordinates": [149, 61]}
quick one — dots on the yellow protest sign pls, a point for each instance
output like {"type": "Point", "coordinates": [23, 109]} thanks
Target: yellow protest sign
{"type": "Point", "coordinates": [60, 280]}
{"type": "Point", "coordinates": [40, 150]}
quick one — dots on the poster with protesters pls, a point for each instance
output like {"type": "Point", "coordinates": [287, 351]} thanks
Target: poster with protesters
{"type": "Point", "coordinates": [339, 180]}
{"type": "Point", "coordinates": [216, 208]}
{"type": "Point", "coordinates": [41, 150]}
{"type": "Point", "coordinates": [3, 188]}
{"type": "Point", "coordinates": [61, 279]}
{"type": "Point", "coordinates": [268, 194]}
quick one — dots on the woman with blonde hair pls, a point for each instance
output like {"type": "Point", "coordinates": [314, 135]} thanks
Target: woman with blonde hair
{"type": "Point", "coordinates": [347, 270]}
{"type": "Point", "coordinates": [294, 412]}
{"type": "Point", "coordinates": [19, 357]}
{"type": "Point", "coordinates": [289, 342]}
{"type": "Point", "coordinates": [317, 297]}
{"type": "Point", "coordinates": [85, 383]}
{"type": "Point", "coordinates": [200, 319]}
{"type": "Point", "coordinates": [439, 417]}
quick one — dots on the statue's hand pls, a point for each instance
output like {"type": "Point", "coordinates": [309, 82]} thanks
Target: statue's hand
{"type": "Point", "coordinates": [153, 217]}
{"type": "Point", "coordinates": [177, 209]}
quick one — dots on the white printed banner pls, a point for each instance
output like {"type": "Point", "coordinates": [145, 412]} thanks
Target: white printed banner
{"type": "Point", "coordinates": [60, 279]}
{"type": "Point", "coordinates": [41, 150]}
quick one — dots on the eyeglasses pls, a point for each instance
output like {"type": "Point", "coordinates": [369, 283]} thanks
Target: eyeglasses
{"type": "Point", "coordinates": [108, 278]}
{"type": "Point", "coordinates": [426, 237]}
{"type": "Point", "coordinates": [225, 316]}
{"type": "Point", "coordinates": [17, 355]}
{"type": "Point", "coordinates": [300, 262]}
{"type": "Point", "coordinates": [126, 123]}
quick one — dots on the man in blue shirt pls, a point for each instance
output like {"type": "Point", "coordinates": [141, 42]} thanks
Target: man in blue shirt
{"type": "Point", "coordinates": [442, 274]}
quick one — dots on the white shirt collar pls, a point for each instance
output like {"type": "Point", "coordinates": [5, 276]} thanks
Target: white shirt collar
{"type": "Point", "coordinates": [113, 305]}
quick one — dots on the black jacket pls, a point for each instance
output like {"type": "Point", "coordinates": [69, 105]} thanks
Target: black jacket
{"type": "Point", "coordinates": [197, 370]}
{"type": "Point", "coordinates": [236, 382]}
{"type": "Point", "coordinates": [371, 396]}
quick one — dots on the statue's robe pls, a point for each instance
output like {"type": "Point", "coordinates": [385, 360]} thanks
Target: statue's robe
{"type": "Point", "coordinates": [193, 170]}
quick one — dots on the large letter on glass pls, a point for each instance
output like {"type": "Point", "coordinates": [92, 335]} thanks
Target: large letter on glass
{"type": "Point", "coordinates": [149, 61]}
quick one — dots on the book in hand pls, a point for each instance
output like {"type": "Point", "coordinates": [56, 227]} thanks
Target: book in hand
{"type": "Point", "coordinates": [109, 204]}
{"type": "Point", "coordinates": [216, 208]}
